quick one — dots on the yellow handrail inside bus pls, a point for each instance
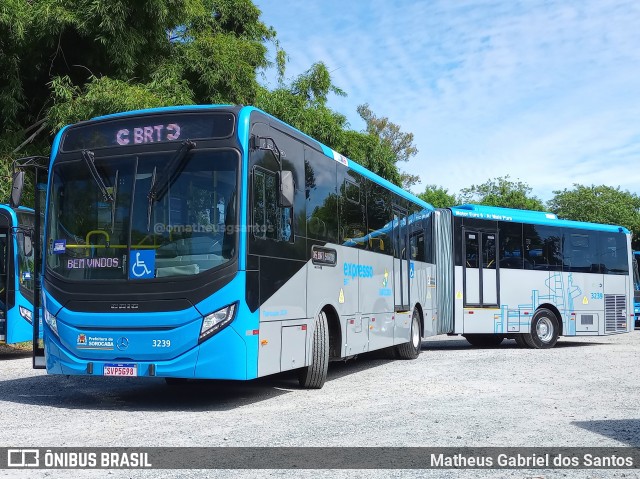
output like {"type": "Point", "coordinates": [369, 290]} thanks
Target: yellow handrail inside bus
{"type": "Point", "coordinates": [96, 232]}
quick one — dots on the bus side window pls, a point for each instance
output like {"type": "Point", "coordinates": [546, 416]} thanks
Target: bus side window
{"type": "Point", "coordinates": [352, 214]}
{"type": "Point", "coordinates": [417, 247]}
{"type": "Point", "coordinates": [614, 253]}
{"type": "Point", "coordinates": [471, 249]}
{"type": "Point", "coordinates": [270, 221]}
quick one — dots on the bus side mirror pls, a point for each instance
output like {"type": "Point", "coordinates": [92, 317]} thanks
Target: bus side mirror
{"type": "Point", "coordinates": [17, 184]}
{"type": "Point", "coordinates": [27, 245]}
{"type": "Point", "coordinates": [287, 189]}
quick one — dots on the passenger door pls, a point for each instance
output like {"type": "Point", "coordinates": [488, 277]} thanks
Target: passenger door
{"type": "Point", "coordinates": [401, 264]}
{"type": "Point", "coordinates": [480, 268]}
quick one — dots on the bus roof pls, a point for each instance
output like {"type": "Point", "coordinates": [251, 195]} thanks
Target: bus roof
{"type": "Point", "coordinates": [325, 149]}
{"type": "Point", "coordinates": [526, 216]}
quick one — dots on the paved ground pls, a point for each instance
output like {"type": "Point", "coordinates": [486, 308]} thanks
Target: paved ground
{"type": "Point", "coordinates": [584, 392]}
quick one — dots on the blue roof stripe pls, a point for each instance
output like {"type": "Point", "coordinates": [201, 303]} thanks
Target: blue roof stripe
{"type": "Point", "coordinates": [525, 216]}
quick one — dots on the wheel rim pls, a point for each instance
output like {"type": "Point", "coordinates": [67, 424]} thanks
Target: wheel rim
{"type": "Point", "coordinates": [544, 330]}
{"type": "Point", "coordinates": [415, 332]}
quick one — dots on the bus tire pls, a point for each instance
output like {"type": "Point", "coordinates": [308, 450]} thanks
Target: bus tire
{"type": "Point", "coordinates": [314, 375]}
{"type": "Point", "coordinates": [484, 340]}
{"type": "Point", "coordinates": [545, 330]}
{"type": "Point", "coordinates": [520, 341]}
{"type": "Point", "coordinates": [412, 349]}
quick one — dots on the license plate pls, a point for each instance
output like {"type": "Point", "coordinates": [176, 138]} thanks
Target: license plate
{"type": "Point", "coordinates": [123, 370]}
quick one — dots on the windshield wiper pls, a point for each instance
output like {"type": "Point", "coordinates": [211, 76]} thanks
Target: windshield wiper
{"type": "Point", "coordinates": [160, 183]}
{"type": "Point", "coordinates": [88, 158]}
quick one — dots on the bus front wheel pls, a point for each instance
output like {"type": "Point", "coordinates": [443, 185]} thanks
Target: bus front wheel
{"type": "Point", "coordinates": [545, 330]}
{"type": "Point", "coordinates": [314, 375]}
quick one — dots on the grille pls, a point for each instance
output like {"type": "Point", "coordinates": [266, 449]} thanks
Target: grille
{"type": "Point", "coordinates": [615, 313]}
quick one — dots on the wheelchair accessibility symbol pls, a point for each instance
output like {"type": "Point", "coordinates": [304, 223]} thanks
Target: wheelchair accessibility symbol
{"type": "Point", "coordinates": [142, 263]}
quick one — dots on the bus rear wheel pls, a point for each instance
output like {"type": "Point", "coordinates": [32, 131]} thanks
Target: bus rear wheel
{"type": "Point", "coordinates": [545, 330]}
{"type": "Point", "coordinates": [411, 350]}
{"type": "Point", "coordinates": [314, 375]}
{"type": "Point", "coordinates": [484, 340]}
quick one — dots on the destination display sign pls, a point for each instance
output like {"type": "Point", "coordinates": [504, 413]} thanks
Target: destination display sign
{"type": "Point", "coordinates": [323, 256]}
{"type": "Point", "coordinates": [149, 129]}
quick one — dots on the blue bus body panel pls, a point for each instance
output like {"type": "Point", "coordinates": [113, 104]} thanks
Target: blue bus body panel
{"type": "Point", "coordinates": [94, 338]}
{"type": "Point", "coordinates": [18, 329]}
{"type": "Point", "coordinates": [243, 132]}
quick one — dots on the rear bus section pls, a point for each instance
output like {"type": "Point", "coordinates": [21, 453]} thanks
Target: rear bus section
{"type": "Point", "coordinates": [532, 277]}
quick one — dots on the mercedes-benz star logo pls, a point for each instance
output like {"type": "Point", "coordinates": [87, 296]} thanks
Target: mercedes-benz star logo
{"type": "Point", "coordinates": [122, 343]}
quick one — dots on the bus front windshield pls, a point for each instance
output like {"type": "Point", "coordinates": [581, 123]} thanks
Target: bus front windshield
{"type": "Point", "coordinates": [116, 222]}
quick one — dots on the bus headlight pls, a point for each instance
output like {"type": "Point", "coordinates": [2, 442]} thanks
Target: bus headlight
{"type": "Point", "coordinates": [26, 314]}
{"type": "Point", "coordinates": [51, 320]}
{"type": "Point", "coordinates": [214, 322]}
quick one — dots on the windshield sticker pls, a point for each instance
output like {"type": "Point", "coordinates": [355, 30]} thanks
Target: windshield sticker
{"type": "Point", "coordinates": [59, 246]}
{"type": "Point", "coordinates": [142, 264]}
{"type": "Point", "coordinates": [93, 263]}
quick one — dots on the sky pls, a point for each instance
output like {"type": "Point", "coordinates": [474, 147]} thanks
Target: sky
{"type": "Point", "coordinates": [546, 92]}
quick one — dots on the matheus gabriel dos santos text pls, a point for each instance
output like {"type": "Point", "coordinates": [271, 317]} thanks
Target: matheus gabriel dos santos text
{"type": "Point", "coordinates": [527, 461]}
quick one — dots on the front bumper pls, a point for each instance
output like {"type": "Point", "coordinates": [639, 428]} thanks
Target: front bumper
{"type": "Point", "coordinates": [223, 356]}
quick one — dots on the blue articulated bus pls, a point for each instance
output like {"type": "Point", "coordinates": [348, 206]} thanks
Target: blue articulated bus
{"type": "Point", "coordinates": [219, 242]}
{"type": "Point", "coordinates": [16, 275]}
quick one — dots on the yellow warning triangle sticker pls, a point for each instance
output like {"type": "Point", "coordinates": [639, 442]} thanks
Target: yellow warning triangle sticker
{"type": "Point", "coordinates": [585, 300]}
{"type": "Point", "coordinates": [341, 297]}
{"type": "Point", "coordinates": [459, 295]}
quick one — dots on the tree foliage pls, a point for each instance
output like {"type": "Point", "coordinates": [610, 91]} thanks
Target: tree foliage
{"type": "Point", "coordinates": [303, 104]}
{"type": "Point", "coordinates": [502, 192]}
{"type": "Point", "coordinates": [438, 197]}
{"type": "Point", "coordinates": [394, 140]}
{"type": "Point", "coordinates": [62, 62]}
{"type": "Point", "coordinates": [599, 204]}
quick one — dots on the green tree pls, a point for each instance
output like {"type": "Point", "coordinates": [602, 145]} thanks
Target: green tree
{"type": "Point", "coordinates": [400, 144]}
{"type": "Point", "coordinates": [438, 197]}
{"type": "Point", "coordinates": [303, 104]}
{"type": "Point", "coordinates": [62, 62]}
{"type": "Point", "coordinates": [502, 192]}
{"type": "Point", "coordinates": [599, 204]}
